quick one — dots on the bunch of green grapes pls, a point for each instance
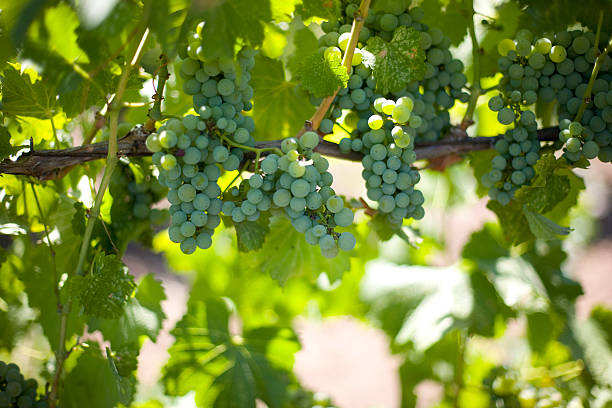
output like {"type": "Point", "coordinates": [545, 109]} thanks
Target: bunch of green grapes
{"type": "Point", "coordinates": [296, 184]}
{"type": "Point", "coordinates": [518, 150]}
{"type": "Point", "coordinates": [16, 391]}
{"type": "Point", "coordinates": [139, 195]}
{"type": "Point", "coordinates": [192, 153]}
{"type": "Point", "coordinates": [388, 149]}
{"type": "Point", "coordinates": [558, 69]}
{"type": "Point", "coordinates": [437, 92]}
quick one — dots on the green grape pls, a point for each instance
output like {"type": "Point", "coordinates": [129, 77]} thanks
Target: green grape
{"type": "Point", "coordinates": [581, 44]}
{"type": "Point", "coordinates": [401, 113]}
{"type": "Point", "coordinates": [334, 204]}
{"type": "Point", "coordinates": [505, 46]}
{"type": "Point", "coordinates": [153, 143]}
{"type": "Point", "coordinates": [167, 139]}
{"type": "Point", "coordinates": [496, 103]}
{"type": "Point", "coordinates": [328, 246]}
{"type": "Point", "coordinates": [590, 149]}
{"type": "Point", "coordinates": [281, 198]}
{"type": "Point", "coordinates": [220, 154]}
{"type": "Point", "coordinates": [558, 54]}
{"type": "Point", "coordinates": [187, 193]}
{"type": "Point", "coordinates": [523, 47]}
{"type": "Point", "coordinates": [168, 161]}
{"type": "Point", "coordinates": [309, 140]}
{"type": "Point", "coordinates": [344, 217]}
{"type": "Point", "coordinates": [300, 188]}
{"type": "Point", "coordinates": [269, 165]}
{"type": "Point", "coordinates": [573, 145]}
{"type": "Point", "coordinates": [505, 116]}
{"type": "Point", "coordinates": [386, 203]}
{"type": "Point", "coordinates": [543, 45]}
{"type": "Point", "coordinates": [375, 122]}
{"type": "Point", "coordinates": [188, 245]}
{"type": "Point", "coordinates": [346, 241]}
{"type": "Point", "coordinates": [296, 169]}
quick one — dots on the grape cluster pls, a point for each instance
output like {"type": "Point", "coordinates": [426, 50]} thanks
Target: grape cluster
{"type": "Point", "coordinates": [388, 149]}
{"type": "Point", "coordinates": [558, 70]}
{"type": "Point", "coordinates": [518, 150]}
{"type": "Point", "coordinates": [508, 390]}
{"type": "Point", "coordinates": [140, 195]}
{"type": "Point", "coordinates": [298, 183]}
{"type": "Point", "coordinates": [433, 95]}
{"type": "Point", "coordinates": [192, 154]}
{"type": "Point", "coordinates": [16, 391]}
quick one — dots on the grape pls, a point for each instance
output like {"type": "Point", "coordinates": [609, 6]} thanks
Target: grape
{"type": "Point", "coordinates": [344, 217]}
{"type": "Point", "coordinates": [300, 188]}
{"type": "Point", "coordinates": [543, 45]}
{"type": "Point", "coordinates": [309, 140]}
{"type": "Point", "coordinates": [505, 116]}
{"type": "Point", "coordinates": [329, 249]}
{"type": "Point", "coordinates": [558, 53]}
{"type": "Point", "coordinates": [346, 241]}
{"type": "Point", "coordinates": [505, 46]}
{"type": "Point", "coordinates": [401, 113]}
{"type": "Point", "coordinates": [375, 122]}
{"type": "Point", "coordinates": [168, 161]}
{"type": "Point", "coordinates": [334, 204]}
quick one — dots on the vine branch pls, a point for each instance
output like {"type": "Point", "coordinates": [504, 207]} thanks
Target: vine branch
{"type": "Point", "coordinates": [54, 164]}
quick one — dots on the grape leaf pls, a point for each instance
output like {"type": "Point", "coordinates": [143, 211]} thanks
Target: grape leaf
{"type": "Point", "coordinates": [323, 76]}
{"type": "Point", "coordinates": [303, 43]}
{"type": "Point", "coordinates": [251, 235]}
{"type": "Point", "coordinates": [542, 227]}
{"type": "Point", "coordinates": [104, 291]}
{"type": "Point", "coordinates": [398, 62]}
{"type": "Point", "coordinates": [22, 96]}
{"type": "Point", "coordinates": [452, 16]}
{"type": "Point", "coordinates": [505, 26]}
{"type": "Point", "coordinates": [61, 22]}
{"type": "Point", "coordinates": [231, 21]}
{"type": "Point", "coordinates": [278, 109]}
{"type": "Point", "coordinates": [226, 370]}
{"type": "Point", "coordinates": [90, 379]}
{"type": "Point", "coordinates": [540, 16]}
{"type": "Point", "coordinates": [286, 254]}
{"type": "Point", "coordinates": [142, 316]}
{"type": "Point", "coordinates": [326, 9]}
{"type": "Point", "coordinates": [5, 143]}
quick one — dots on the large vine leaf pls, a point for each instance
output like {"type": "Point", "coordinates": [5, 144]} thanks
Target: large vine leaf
{"type": "Point", "coordinates": [327, 9]}
{"type": "Point", "coordinates": [142, 315]}
{"type": "Point", "coordinates": [323, 76]}
{"type": "Point", "coordinates": [224, 369]}
{"type": "Point", "coordinates": [451, 16]}
{"type": "Point", "coordinates": [286, 254]}
{"type": "Point", "coordinates": [25, 97]}
{"type": "Point", "coordinates": [279, 110]}
{"type": "Point", "coordinates": [397, 62]}
{"type": "Point", "coordinates": [535, 209]}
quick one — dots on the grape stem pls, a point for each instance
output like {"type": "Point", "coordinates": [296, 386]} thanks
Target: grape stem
{"type": "Point", "coordinates": [586, 98]}
{"type": "Point", "coordinates": [476, 87]}
{"type": "Point", "coordinates": [257, 151]}
{"type": "Point", "coordinates": [111, 161]}
{"type": "Point", "coordinates": [358, 22]}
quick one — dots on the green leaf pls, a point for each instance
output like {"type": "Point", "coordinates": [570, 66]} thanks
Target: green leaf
{"type": "Point", "coordinates": [25, 97]}
{"type": "Point", "coordinates": [104, 291]}
{"type": "Point", "coordinates": [251, 235]}
{"type": "Point", "coordinates": [326, 9]}
{"type": "Point", "coordinates": [232, 21]}
{"type": "Point", "coordinates": [323, 76]}
{"type": "Point", "coordinates": [452, 16]}
{"type": "Point", "coordinates": [513, 222]}
{"type": "Point", "coordinates": [278, 109]}
{"type": "Point", "coordinates": [540, 330]}
{"type": "Point", "coordinates": [542, 17]}
{"type": "Point", "coordinates": [5, 143]}
{"type": "Point", "coordinates": [603, 318]}
{"type": "Point", "coordinates": [542, 227]}
{"type": "Point", "coordinates": [61, 22]}
{"type": "Point", "coordinates": [142, 316]}
{"type": "Point", "coordinates": [91, 379]}
{"type": "Point", "coordinates": [505, 26]}
{"type": "Point", "coordinates": [398, 62]}
{"type": "Point", "coordinates": [303, 43]}
{"type": "Point", "coordinates": [286, 254]}
{"type": "Point", "coordinates": [226, 370]}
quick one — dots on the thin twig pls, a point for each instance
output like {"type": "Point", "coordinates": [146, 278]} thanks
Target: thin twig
{"type": "Point", "coordinates": [476, 88]}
